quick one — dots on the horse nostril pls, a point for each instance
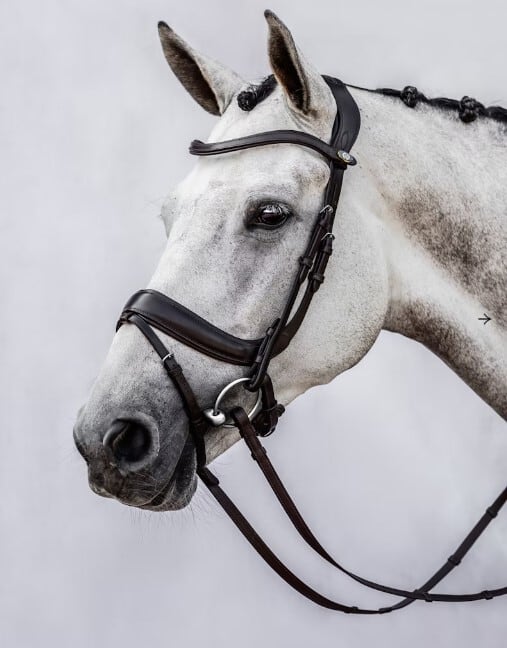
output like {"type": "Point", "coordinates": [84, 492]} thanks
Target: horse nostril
{"type": "Point", "coordinates": [128, 440]}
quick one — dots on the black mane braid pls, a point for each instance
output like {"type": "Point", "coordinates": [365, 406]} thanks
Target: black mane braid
{"type": "Point", "coordinates": [468, 109]}
{"type": "Point", "coordinates": [254, 94]}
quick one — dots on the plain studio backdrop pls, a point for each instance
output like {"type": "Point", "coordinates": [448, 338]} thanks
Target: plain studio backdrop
{"type": "Point", "coordinates": [94, 133]}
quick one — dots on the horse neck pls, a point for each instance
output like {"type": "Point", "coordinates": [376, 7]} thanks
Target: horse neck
{"type": "Point", "coordinates": [441, 192]}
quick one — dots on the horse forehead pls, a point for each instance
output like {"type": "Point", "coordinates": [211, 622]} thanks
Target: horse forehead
{"type": "Point", "coordinates": [279, 172]}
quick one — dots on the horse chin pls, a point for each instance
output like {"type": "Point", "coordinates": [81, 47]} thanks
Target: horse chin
{"type": "Point", "coordinates": [173, 499]}
{"type": "Point", "coordinates": [180, 488]}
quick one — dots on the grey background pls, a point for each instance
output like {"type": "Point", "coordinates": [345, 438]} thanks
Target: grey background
{"type": "Point", "coordinates": [94, 131]}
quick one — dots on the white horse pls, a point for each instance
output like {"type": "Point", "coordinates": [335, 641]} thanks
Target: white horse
{"type": "Point", "coordinates": [421, 239]}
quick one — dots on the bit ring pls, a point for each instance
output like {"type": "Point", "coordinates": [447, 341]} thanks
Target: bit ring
{"type": "Point", "coordinates": [217, 416]}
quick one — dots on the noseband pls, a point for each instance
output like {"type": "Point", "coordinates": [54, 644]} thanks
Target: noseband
{"type": "Point", "coordinates": [150, 309]}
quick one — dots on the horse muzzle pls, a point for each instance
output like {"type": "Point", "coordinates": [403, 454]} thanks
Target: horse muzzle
{"type": "Point", "coordinates": [126, 464]}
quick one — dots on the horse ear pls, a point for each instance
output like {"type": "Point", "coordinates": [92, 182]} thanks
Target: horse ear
{"type": "Point", "coordinates": [303, 85]}
{"type": "Point", "coordinates": [211, 84]}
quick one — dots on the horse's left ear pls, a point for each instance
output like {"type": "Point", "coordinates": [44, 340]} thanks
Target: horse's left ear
{"type": "Point", "coordinates": [210, 83]}
{"type": "Point", "coordinates": [304, 87]}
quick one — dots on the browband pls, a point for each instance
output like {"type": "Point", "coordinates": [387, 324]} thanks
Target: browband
{"type": "Point", "coordinates": [338, 156]}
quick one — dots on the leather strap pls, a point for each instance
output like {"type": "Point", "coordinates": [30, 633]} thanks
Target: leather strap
{"type": "Point", "coordinates": [264, 424]}
{"type": "Point", "coordinates": [259, 454]}
{"type": "Point", "coordinates": [267, 138]}
{"type": "Point", "coordinates": [197, 422]}
{"type": "Point", "coordinates": [249, 533]}
{"type": "Point", "coordinates": [266, 421]}
{"type": "Point", "coordinates": [187, 327]}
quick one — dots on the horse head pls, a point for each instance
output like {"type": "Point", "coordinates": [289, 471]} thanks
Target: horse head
{"type": "Point", "coordinates": [236, 227]}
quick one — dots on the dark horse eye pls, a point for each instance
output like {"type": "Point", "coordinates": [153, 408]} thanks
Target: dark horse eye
{"type": "Point", "coordinates": [268, 215]}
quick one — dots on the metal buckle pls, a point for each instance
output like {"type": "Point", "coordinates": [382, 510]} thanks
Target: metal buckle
{"type": "Point", "coordinates": [217, 416]}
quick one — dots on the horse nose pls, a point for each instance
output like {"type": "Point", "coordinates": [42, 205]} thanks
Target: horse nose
{"type": "Point", "coordinates": [129, 442]}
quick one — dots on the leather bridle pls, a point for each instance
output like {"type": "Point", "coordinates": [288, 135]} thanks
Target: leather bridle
{"type": "Point", "coordinates": [150, 309]}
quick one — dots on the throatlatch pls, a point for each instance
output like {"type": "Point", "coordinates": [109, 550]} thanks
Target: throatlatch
{"type": "Point", "coordinates": [149, 309]}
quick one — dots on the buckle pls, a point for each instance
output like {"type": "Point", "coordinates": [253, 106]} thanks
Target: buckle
{"type": "Point", "coordinates": [262, 359]}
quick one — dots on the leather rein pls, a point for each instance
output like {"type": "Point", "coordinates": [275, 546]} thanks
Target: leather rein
{"type": "Point", "coordinates": [150, 309]}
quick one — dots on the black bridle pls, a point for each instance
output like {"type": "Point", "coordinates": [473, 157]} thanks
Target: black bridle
{"type": "Point", "coordinates": [149, 309]}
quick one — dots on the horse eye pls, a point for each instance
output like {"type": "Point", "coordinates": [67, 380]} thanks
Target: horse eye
{"type": "Point", "coordinates": [268, 215]}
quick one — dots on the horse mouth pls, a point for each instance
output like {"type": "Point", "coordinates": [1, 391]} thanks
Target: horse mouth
{"type": "Point", "coordinates": [177, 492]}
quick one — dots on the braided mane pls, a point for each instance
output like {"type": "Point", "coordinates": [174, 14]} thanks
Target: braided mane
{"type": "Point", "coordinates": [468, 109]}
